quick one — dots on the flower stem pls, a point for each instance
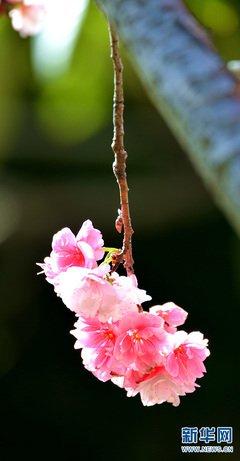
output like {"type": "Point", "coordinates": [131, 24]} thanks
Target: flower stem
{"type": "Point", "coordinates": [120, 154]}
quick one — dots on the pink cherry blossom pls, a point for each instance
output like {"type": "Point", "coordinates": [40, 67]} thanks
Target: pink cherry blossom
{"type": "Point", "coordinates": [97, 365]}
{"type": "Point", "coordinates": [128, 292]}
{"type": "Point", "coordinates": [92, 333]}
{"type": "Point", "coordinates": [87, 292]}
{"type": "Point", "coordinates": [67, 250]}
{"type": "Point", "coordinates": [185, 362]}
{"type": "Point", "coordinates": [96, 292]}
{"type": "Point", "coordinates": [97, 340]}
{"type": "Point", "coordinates": [92, 237]}
{"type": "Point", "coordinates": [129, 379]}
{"type": "Point", "coordinates": [141, 341]}
{"type": "Point", "coordinates": [27, 17]}
{"type": "Point", "coordinates": [158, 387]}
{"type": "Point", "coordinates": [139, 351]}
{"type": "Point", "coordinates": [172, 315]}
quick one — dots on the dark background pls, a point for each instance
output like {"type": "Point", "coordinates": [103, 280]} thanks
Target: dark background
{"type": "Point", "coordinates": [55, 169]}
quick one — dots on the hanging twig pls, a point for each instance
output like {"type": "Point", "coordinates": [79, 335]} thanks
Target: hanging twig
{"type": "Point", "coordinates": [120, 155]}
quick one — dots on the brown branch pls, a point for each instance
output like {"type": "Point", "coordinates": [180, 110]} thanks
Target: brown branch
{"type": "Point", "coordinates": [120, 154]}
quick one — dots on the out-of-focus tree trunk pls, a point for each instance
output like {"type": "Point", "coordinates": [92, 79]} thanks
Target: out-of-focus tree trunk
{"type": "Point", "coordinates": [190, 85]}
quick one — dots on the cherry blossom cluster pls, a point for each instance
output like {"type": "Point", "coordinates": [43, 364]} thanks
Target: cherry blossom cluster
{"type": "Point", "coordinates": [27, 16]}
{"type": "Point", "coordinates": [140, 351]}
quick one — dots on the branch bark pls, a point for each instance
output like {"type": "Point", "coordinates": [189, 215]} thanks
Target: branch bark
{"type": "Point", "coordinates": [190, 85]}
{"type": "Point", "coordinates": [120, 155]}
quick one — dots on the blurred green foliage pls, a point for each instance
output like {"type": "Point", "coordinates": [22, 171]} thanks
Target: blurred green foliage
{"type": "Point", "coordinates": [75, 105]}
{"type": "Point", "coordinates": [221, 18]}
{"type": "Point", "coordinates": [14, 74]}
